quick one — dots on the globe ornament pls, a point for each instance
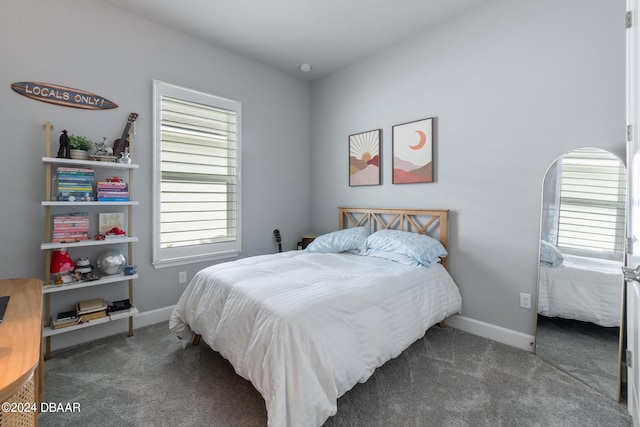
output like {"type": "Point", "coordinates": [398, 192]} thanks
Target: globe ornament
{"type": "Point", "coordinates": [111, 262]}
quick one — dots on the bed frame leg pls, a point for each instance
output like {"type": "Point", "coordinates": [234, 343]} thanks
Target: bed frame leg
{"type": "Point", "coordinates": [196, 340]}
{"type": "Point", "coordinates": [442, 324]}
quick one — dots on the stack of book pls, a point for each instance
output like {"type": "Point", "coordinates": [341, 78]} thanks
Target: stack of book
{"type": "Point", "coordinates": [113, 191]}
{"type": "Point", "coordinates": [70, 227]}
{"type": "Point", "coordinates": [75, 184]}
{"type": "Point", "coordinates": [91, 309]}
{"type": "Point", "coordinates": [65, 319]}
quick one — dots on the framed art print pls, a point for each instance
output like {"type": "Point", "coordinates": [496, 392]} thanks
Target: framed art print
{"type": "Point", "coordinates": [413, 152]}
{"type": "Point", "coordinates": [364, 158]}
{"type": "Point", "coordinates": [107, 221]}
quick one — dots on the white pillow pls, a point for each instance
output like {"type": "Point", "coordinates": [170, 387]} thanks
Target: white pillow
{"type": "Point", "coordinates": [350, 239]}
{"type": "Point", "coordinates": [550, 255]}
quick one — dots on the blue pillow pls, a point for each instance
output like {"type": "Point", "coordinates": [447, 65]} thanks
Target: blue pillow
{"type": "Point", "coordinates": [550, 255]}
{"type": "Point", "coordinates": [349, 239]}
{"type": "Point", "coordinates": [424, 249]}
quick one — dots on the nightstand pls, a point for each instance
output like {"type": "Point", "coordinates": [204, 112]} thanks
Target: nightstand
{"type": "Point", "coordinates": [306, 239]}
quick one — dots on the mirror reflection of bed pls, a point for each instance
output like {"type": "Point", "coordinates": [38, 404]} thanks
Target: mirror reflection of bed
{"type": "Point", "coordinates": [580, 280]}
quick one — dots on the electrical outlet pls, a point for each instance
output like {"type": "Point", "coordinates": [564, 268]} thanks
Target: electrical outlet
{"type": "Point", "coordinates": [182, 277]}
{"type": "Point", "coordinates": [525, 300]}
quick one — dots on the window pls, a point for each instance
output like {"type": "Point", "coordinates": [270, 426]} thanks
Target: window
{"type": "Point", "coordinates": [592, 201]}
{"type": "Point", "coordinates": [196, 215]}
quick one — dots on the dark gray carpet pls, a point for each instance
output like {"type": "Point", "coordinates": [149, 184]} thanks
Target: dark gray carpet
{"type": "Point", "coordinates": [584, 350]}
{"type": "Point", "coordinates": [448, 378]}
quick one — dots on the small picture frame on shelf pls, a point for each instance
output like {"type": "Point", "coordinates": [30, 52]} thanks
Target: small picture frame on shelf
{"type": "Point", "coordinates": [110, 222]}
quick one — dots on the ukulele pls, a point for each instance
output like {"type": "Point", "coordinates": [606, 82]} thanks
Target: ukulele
{"type": "Point", "coordinates": [276, 235]}
{"type": "Point", "coordinates": [120, 144]}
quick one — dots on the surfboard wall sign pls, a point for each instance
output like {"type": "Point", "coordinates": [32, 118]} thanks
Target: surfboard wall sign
{"type": "Point", "coordinates": [62, 95]}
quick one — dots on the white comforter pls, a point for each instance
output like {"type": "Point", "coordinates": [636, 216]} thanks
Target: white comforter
{"type": "Point", "coordinates": [582, 288]}
{"type": "Point", "coordinates": [304, 328]}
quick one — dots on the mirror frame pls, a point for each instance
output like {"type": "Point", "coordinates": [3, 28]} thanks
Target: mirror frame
{"type": "Point", "coordinates": [621, 383]}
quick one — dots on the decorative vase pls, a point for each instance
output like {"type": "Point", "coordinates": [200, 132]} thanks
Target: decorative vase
{"type": "Point", "coordinates": [61, 262]}
{"type": "Point", "coordinates": [111, 262]}
{"type": "Point", "coordinates": [78, 154]}
{"type": "Point", "coordinates": [126, 157]}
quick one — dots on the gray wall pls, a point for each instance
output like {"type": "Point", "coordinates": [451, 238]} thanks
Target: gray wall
{"type": "Point", "coordinates": [112, 53]}
{"type": "Point", "coordinates": [513, 85]}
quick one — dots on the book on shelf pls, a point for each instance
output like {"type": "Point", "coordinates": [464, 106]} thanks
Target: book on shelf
{"type": "Point", "coordinates": [70, 227]}
{"type": "Point", "coordinates": [112, 191]}
{"type": "Point", "coordinates": [117, 306]}
{"type": "Point", "coordinates": [113, 188]}
{"type": "Point", "coordinates": [74, 170]}
{"type": "Point", "coordinates": [70, 238]}
{"type": "Point", "coordinates": [71, 219]}
{"type": "Point", "coordinates": [112, 183]}
{"type": "Point", "coordinates": [107, 184]}
{"type": "Point", "coordinates": [67, 315]}
{"type": "Point", "coordinates": [62, 227]}
{"type": "Point", "coordinates": [91, 306]}
{"type": "Point", "coordinates": [73, 184]}
{"type": "Point", "coordinates": [102, 193]}
{"type": "Point", "coordinates": [56, 324]}
{"type": "Point", "coordinates": [75, 196]}
{"type": "Point", "coordinates": [93, 316]}
{"type": "Point", "coordinates": [65, 319]}
{"type": "Point", "coordinates": [74, 178]}
{"type": "Point", "coordinates": [78, 192]}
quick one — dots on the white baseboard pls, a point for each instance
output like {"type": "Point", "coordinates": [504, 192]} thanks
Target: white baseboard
{"type": "Point", "coordinates": [492, 332]}
{"type": "Point", "coordinates": [152, 317]}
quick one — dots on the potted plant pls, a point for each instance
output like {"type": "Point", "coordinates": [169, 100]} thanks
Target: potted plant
{"type": "Point", "coordinates": [79, 147]}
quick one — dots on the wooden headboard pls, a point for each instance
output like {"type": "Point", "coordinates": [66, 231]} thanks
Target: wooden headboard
{"type": "Point", "coordinates": [432, 222]}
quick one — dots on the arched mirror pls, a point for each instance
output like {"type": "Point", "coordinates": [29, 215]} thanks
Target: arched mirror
{"type": "Point", "coordinates": [580, 280]}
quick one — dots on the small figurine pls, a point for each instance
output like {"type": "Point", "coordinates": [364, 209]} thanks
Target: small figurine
{"type": "Point", "coordinates": [101, 149]}
{"type": "Point", "coordinates": [63, 150]}
{"type": "Point", "coordinates": [98, 147]}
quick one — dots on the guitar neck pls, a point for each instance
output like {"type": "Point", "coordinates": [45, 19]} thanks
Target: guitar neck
{"type": "Point", "coordinates": [125, 134]}
{"type": "Point", "coordinates": [276, 235]}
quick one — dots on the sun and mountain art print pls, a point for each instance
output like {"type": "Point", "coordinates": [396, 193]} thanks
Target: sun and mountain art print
{"type": "Point", "coordinates": [364, 158]}
{"type": "Point", "coordinates": [413, 152]}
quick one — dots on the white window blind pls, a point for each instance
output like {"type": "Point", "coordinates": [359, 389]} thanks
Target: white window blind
{"type": "Point", "coordinates": [197, 176]}
{"type": "Point", "coordinates": [592, 201]}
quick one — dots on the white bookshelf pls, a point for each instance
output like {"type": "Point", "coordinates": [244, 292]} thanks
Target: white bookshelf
{"type": "Point", "coordinates": [53, 206]}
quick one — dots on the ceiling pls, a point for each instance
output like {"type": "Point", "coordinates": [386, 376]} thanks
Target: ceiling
{"type": "Point", "coordinates": [328, 34]}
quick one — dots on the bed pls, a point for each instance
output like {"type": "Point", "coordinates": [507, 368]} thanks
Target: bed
{"type": "Point", "coordinates": [306, 326]}
{"type": "Point", "coordinates": [581, 288]}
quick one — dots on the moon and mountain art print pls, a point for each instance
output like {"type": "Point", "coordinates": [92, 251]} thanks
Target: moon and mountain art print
{"type": "Point", "coordinates": [413, 152]}
{"type": "Point", "coordinates": [364, 158]}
